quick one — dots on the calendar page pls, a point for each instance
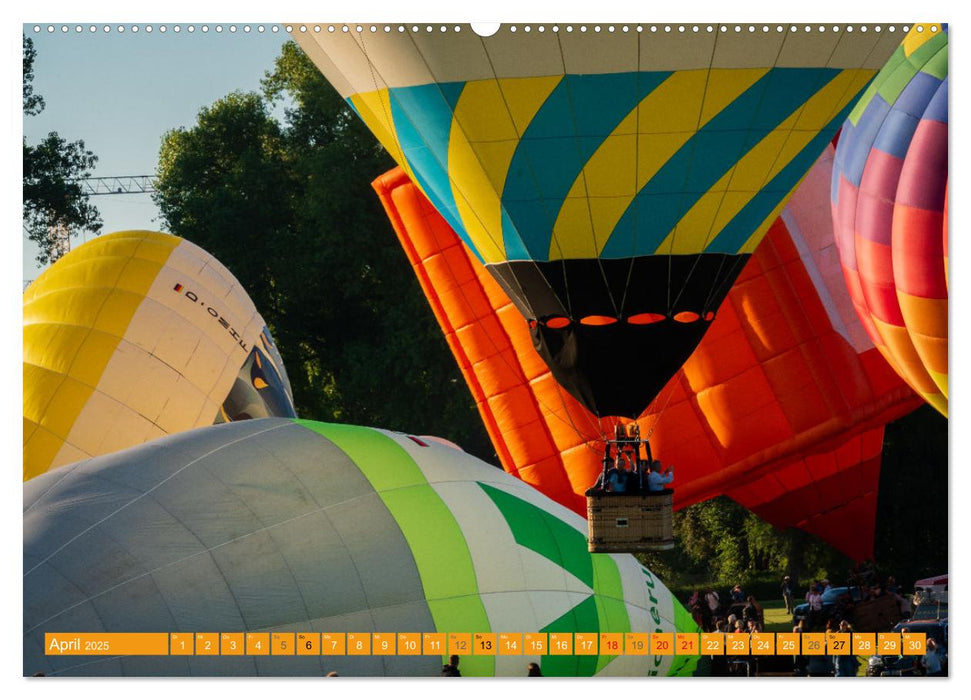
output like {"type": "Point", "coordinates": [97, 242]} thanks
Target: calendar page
{"type": "Point", "coordinates": [512, 349]}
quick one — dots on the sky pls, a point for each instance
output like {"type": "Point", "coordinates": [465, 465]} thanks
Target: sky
{"type": "Point", "coordinates": [120, 92]}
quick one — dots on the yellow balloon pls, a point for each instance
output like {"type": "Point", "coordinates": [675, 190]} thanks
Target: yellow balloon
{"type": "Point", "coordinates": [136, 335]}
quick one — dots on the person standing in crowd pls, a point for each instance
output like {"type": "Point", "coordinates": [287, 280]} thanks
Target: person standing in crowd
{"type": "Point", "coordinates": [738, 596]}
{"type": "Point", "coordinates": [451, 669]}
{"type": "Point", "coordinates": [845, 665]}
{"type": "Point", "coordinates": [533, 670]}
{"type": "Point", "coordinates": [787, 593]}
{"type": "Point", "coordinates": [933, 664]}
{"type": "Point", "coordinates": [815, 600]}
{"type": "Point", "coordinates": [799, 662]}
{"type": "Point", "coordinates": [699, 611]}
{"type": "Point", "coordinates": [752, 610]}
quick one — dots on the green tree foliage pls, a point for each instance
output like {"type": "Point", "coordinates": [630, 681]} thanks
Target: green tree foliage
{"type": "Point", "coordinates": [33, 103]}
{"type": "Point", "coordinates": [719, 543]}
{"type": "Point", "coordinates": [289, 209]}
{"type": "Point", "coordinates": [912, 507]}
{"type": "Point", "coordinates": [52, 195]}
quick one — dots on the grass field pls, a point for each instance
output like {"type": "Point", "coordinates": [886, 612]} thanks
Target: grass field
{"type": "Point", "coordinates": [778, 620]}
{"type": "Point", "coordinates": [776, 617]}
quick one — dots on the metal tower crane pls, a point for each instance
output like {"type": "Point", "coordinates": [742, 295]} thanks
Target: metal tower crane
{"type": "Point", "coordinates": [94, 186]}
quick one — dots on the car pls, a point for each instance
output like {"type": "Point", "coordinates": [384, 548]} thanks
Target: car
{"type": "Point", "coordinates": [896, 665]}
{"type": "Point", "coordinates": [932, 628]}
{"type": "Point", "coordinates": [833, 598]}
{"type": "Point", "coordinates": [930, 611]}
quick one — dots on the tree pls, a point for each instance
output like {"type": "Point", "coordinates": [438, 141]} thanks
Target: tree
{"type": "Point", "coordinates": [290, 211]}
{"type": "Point", "coordinates": [52, 196]}
{"type": "Point", "coordinates": [33, 104]}
{"type": "Point", "coordinates": [226, 185]}
{"type": "Point", "coordinates": [912, 507]}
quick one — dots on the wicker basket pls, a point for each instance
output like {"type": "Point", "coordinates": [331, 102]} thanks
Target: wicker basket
{"type": "Point", "coordinates": [630, 522]}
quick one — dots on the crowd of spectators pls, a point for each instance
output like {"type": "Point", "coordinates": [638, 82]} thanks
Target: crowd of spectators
{"type": "Point", "coordinates": [736, 611]}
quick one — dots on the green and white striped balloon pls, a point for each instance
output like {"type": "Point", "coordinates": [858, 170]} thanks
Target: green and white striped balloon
{"type": "Point", "coordinates": [291, 525]}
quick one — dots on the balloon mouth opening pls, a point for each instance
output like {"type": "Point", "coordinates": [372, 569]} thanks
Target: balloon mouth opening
{"type": "Point", "coordinates": [598, 320]}
{"type": "Point", "coordinates": [641, 319]}
{"type": "Point", "coordinates": [645, 319]}
{"type": "Point", "coordinates": [557, 322]}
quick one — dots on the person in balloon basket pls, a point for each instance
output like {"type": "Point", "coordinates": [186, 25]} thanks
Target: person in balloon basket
{"type": "Point", "coordinates": [617, 478]}
{"type": "Point", "coordinates": [658, 478]}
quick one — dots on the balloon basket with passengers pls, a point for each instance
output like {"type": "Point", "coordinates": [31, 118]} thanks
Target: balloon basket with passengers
{"type": "Point", "coordinates": [629, 509]}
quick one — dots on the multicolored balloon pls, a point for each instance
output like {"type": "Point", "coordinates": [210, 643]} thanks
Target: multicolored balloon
{"type": "Point", "coordinates": [135, 335]}
{"type": "Point", "coordinates": [614, 184]}
{"type": "Point", "coordinates": [889, 201]}
{"type": "Point", "coordinates": [288, 525]}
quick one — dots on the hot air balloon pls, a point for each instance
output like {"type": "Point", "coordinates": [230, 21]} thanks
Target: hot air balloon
{"type": "Point", "coordinates": [613, 183]}
{"type": "Point", "coordinates": [889, 201]}
{"type": "Point", "coordinates": [781, 407]}
{"type": "Point", "coordinates": [288, 525]}
{"type": "Point", "coordinates": [135, 335]}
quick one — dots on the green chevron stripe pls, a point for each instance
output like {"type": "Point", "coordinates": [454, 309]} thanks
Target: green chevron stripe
{"type": "Point", "coordinates": [609, 596]}
{"type": "Point", "coordinates": [554, 539]}
{"type": "Point", "coordinates": [434, 536]}
{"type": "Point", "coordinates": [582, 618]}
{"type": "Point", "coordinates": [545, 534]}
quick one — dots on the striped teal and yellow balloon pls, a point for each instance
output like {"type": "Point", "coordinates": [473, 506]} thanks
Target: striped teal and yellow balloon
{"type": "Point", "coordinates": [889, 199]}
{"type": "Point", "coordinates": [282, 525]}
{"type": "Point", "coordinates": [614, 183]}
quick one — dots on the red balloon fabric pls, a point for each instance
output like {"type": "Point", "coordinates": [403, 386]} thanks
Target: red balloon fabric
{"type": "Point", "coordinates": [781, 407]}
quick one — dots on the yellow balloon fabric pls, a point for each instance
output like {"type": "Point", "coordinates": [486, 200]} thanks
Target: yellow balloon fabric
{"type": "Point", "coordinates": [136, 335]}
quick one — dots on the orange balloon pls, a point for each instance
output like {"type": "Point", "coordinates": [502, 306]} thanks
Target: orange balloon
{"type": "Point", "coordinates": [781, 407]}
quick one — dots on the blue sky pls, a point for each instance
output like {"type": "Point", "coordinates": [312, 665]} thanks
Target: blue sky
{"type": "Point", "coordinates": [120, 92]}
